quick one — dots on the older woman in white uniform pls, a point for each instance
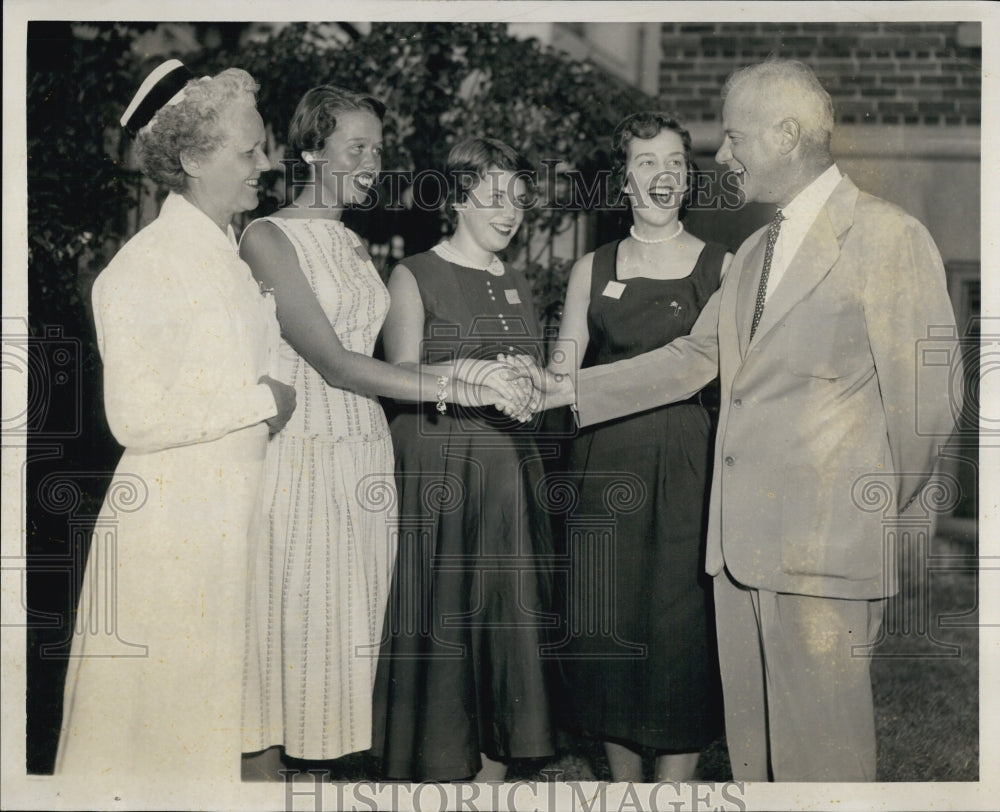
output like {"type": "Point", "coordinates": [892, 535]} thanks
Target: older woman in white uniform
{"type": "Point", "coordinates": [185, 335]}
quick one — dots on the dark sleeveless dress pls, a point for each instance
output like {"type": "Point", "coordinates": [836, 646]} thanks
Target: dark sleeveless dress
{"type": "Point", "coordinates": [638, 659]}
{"type": "Point", "coordinates": [460, 670]}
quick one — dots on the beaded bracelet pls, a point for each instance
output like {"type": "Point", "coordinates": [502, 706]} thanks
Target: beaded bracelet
{"type": "Point", "coordinates": [442, 393]}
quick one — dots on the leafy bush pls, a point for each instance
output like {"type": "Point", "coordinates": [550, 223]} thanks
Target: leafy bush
{"type": "Point", "coordinates": [79, 190]}
{"type": "Point", "coordinates": [440, 81]}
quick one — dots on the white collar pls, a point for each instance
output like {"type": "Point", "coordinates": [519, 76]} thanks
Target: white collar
{"type": "Point", "coordinates": [178, 207]}
{"type": "Point", "coordinates": [450, 253]}
{"type": "Point", "coordinates": [807, 203]}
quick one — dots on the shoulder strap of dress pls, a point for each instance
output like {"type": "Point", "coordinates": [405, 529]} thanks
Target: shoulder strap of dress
{"type": "Point", "coordinates": [273, 220]}
{"type": "Point", "coordinates": [420, 263]}
{"type": "Point", "coordinates": [707, 271]}
{"type": "Point", "coordinates": [432, 274]}
{"type": "Point", "coordinates": [711, 258]}
{"type": "Point", "coordinates": [603, 268]}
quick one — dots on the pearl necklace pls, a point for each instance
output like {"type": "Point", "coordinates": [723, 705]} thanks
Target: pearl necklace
{"type": "Point", "coordinates": [644, 241]}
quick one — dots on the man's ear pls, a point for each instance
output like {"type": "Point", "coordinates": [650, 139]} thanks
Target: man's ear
{"type": "Point", "coordinates": [190, 163]}
{"type": "Point", "coordinates": [791, 133]}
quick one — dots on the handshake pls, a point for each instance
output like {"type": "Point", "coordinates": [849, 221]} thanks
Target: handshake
{"type": "Point", "coordinates": [519, 388]}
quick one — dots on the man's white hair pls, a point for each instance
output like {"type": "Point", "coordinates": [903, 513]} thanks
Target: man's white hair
{"type": "Point", "coordinates": [789, 89]}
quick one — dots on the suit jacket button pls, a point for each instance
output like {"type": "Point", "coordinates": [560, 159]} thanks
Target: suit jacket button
{"type": "Point", "coordinates": [737, 402]}
{"type": "Point", "coordinates": [730, 461]}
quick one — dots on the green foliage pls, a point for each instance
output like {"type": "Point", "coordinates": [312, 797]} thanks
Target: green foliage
{"type": "Point", "coordinates": [440, 82]}
{"type": "Point", "coordinates": [74, 179]}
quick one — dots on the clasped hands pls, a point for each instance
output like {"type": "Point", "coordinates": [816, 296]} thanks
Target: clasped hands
{"type": "Point", "coordinates": [520, 388]}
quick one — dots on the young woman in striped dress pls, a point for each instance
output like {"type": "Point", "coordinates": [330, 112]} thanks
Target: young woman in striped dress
{"type": "Point", "coordinates": [323, 558]}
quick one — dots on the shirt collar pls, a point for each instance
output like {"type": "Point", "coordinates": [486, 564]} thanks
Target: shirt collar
{"type": "Point", "coordinates": [177, 207]}
{"type": "Point", "coordinates": [450, 253]}
{"type": "Point", "coordinates": [807, 203]}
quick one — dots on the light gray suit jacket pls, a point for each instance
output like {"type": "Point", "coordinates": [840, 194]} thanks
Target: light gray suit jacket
{"type": "Point", "coordinates": [822, 436]}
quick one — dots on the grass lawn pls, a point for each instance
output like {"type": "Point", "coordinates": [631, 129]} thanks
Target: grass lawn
{"type": "Point", "coordinates": [925, 676]}
{"type": "Point", "coordinates": [927, 696]}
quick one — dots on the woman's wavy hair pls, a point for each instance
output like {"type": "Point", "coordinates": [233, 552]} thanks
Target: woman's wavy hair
{"type": "Point", "coordinates": [190, 125]}
{"type": "Point", "coordinates": [315, 117]}
{"type": "Point", "coordinates": [649, 124]}
{"type": "Point", "coordinates": [471, 160]}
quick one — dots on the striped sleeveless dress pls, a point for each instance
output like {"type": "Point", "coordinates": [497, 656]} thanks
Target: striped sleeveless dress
{"type": "Point", "coordinates": [322, 558]}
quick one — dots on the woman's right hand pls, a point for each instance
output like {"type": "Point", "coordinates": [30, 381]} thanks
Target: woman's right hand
{"type": "Point", "coordinates": [284, 398]}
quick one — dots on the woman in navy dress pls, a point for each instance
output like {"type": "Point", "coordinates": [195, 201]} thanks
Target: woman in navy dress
{"type": "Point", "coordinates": [461, 686]}
{"type": "Point", "coordinates": [645, 677]}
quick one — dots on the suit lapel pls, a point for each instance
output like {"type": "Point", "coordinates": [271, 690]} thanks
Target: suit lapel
{"type": "Point", "coordinates": [813, 260]}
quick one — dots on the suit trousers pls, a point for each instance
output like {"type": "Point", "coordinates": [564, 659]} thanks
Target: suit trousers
{"type": "Point", "coordinates": [796, 683]}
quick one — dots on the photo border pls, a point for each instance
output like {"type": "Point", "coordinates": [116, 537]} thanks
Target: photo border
{"type": "Point", "coordinates": [22, 791]}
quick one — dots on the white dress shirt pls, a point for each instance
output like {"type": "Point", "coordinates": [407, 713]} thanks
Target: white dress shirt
{"type": "Point", "coordinates": [799, 217]}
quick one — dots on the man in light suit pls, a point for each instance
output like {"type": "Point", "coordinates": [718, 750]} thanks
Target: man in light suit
{"type": "Point", "coordinates": [818, 368]}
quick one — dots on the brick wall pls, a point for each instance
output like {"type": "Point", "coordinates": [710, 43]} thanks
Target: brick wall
{"type": "Point", "coordinates": [877, 73]}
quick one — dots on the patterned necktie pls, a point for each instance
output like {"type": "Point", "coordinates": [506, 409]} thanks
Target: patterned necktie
{"type": "Point", "coordinates": [772, 237]}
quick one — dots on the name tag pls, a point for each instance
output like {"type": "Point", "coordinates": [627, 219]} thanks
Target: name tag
{"type": "Point", "coordinates": [362, 252]}
{"type": "Point", "coordinates": [614, 290]}
{"type": "Point", "coordinates": [512, 297]}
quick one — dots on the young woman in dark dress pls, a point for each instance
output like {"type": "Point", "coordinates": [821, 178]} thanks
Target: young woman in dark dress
{"type": "Point", "coordinates": [645, 679]}
{"type": "Point", "coordinates": [461, 686]}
